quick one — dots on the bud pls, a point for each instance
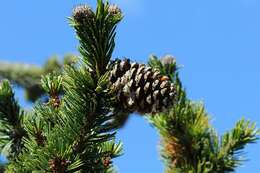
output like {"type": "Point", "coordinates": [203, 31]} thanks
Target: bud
{"type": "Point", "coordinates": [107, 161]}
{"type": "Point", "coordinates": [82, 13]}
{"type": "Point", "coordinates": [169, 63]}
{"type": "Point", "coordinates": [168, 59]}
{"type": "Point", "coordinates": [114, 10]}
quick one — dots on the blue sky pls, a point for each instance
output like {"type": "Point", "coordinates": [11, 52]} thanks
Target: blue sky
{"type": "Point", "coordinates": [217, 42]}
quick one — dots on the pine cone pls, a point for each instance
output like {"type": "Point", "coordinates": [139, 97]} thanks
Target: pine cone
{"type": "Point", "coordinates": [140, 88]}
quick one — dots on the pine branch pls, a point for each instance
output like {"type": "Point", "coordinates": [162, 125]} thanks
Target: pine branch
{"type": "Point", "coordinates": [189, 142]}
{"type": "Point", "coordinates": [71, 132]}
{"type": "Point", "coordinates": [233, 142]}
{"type": "Point", "coordinates": [28, 76]}
{"type": "Point", "coordinates": [78, 137]}
{"type": "Point", "coordinates": [24, 75]}
{"type": "Point", "coordinates": [11, 118]}
{"type": "Point", "coordinates": [96, 34]}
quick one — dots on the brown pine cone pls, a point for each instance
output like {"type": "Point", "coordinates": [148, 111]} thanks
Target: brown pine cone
{"type": "Point", "coordinates": [140, 88]}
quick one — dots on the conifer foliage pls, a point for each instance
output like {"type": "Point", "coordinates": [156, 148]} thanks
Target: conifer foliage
{"type": "Point", "coordinates": [71, 132]}
{"type": "Point", "coordinates": [90, 97]}
{"type": "Point", "coordinates": [189, 143]}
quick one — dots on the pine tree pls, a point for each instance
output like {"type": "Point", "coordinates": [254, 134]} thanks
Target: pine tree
{"type": "Point", "coordinates": [90, 97]}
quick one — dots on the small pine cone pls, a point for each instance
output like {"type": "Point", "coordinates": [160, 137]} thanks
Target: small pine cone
{"type": "Point", "coordinates": [169, 63]}
{"type": "Point", "coordinates": [168, 59]}
{"type": "Point", "coordinates": [140, 88]}
{"type": "Point", "coordinates": [114, 10]}
{"type": "Point", "coordinates": [58, 165]}
{"type": "Point", "coordinates": [82, 13]}
{"type": "Point", "coordinates": [54, 101]}
{"type": "Point", "coordinates": [107, 161]}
